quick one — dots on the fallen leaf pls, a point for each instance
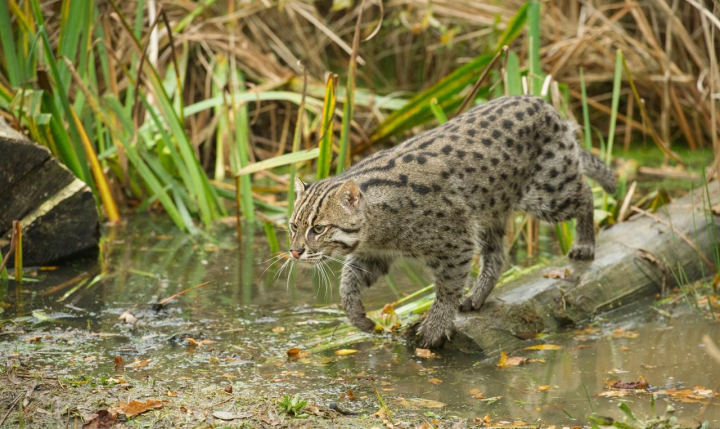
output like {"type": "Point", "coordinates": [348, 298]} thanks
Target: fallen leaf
{"type": "Point", "coordinates": [226, 415]}
{"type": "Point", "coordinates": [614, 393]}
{"type": "Point", "coordinates": [476, 393]}
{"type": "Point", "coordinates": [646, 366]}
{"type": "Point", "coordinates": [492, 400]}
{"type": "Point", "coordinates": [624, 349]}
{"type": "Point", "coordinates": [101, 420]}
{"type": "Point", "coordinates": [213, 359]}
{"type": "Point", "coordinates": [345, 352]}
{"type": "Point", "coordinates": [419, 403]}
{"type": "Point", "coordinates": [543, 388]}
{"type": "Point", "coordinates": [228, 376]}
{"type": "Point", "coordinates": [560, 273]}
{"type": "Point", "coordinates": [133, 408]}
{"type": "Point", "coordinates": [195, 342]}
{"type": "Point", "coordinates": [487, 420]}
{"type": "Point", "coordinates": [424, 353]}
{"type": "Point", "coordinates": [293, 352]}
{"type": "Point", "coordinates": [228, 388]}
{"type": "Point", "coordinates": [716, 209]}
{"type": "Point", "coordinates": [278, 329]}
{"type": "Point", "coordinates": [33, 339]}
{"type": "Point", "coordinates": [627, 385]}
{"type": "Point", "coordinates": [138, 364]}
{"type": "Point", "coordinates": [171, 394]}
{"type": "Point", "coordinates": [128, 318]}
{"type": "Point", "coordinates": [617, 371]}
{"type": "Point", "coordinates": [506, 361]}
{"type": "Point", "coordinates": [350, 395]}
{"type": "Point", "coordinates": [621, 333]}
{"type": "Point", "coordinates": [119, 363]}
{"type": "Point", "coordinates": [435, 381]}
{"type": "Point", "coordinates": [519, 423]}
{"type": "Point", "coordinates": [544, 347]}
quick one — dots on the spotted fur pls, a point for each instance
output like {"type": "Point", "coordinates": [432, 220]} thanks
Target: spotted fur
{"type": "Point", "coordinates": [445, 194]}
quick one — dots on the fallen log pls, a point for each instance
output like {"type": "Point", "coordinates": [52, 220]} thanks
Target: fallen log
{"type": "Point", "coordinates": [56, 210]}
{"type": "Point", "coordinates": [634, 259]}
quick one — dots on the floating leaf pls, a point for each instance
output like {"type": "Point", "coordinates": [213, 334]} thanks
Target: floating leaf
{"type": "Point", "coordinates": [345, 352]}
{"type": "Point", "coordinates": [621, 333]}
{"type": "Point", "coordinates": [293, 352]}
{"type": "Point", "coordinates": [614, 393]}
{"type": "Point", "coordinates": [476, 393]}
{"type": "Point", "coordinates": [419, 403]}
{"type": "Point", "coordinates": [195, 342]}
{"type": "Point", "coordinates": [544, 347]}
{"type": "Point", "coordinates": [543, 388]}
{"type": "Point", "coordinates": [435, 381]}
{"type": "Point", "coordinates": [138, 364]}
{"type": "Point", "coordinates": [627, 385]}
{"type": "Point", "coordinates": [278, 329]}
{"type": "Point", "coordinates": [424, 353]}
{"type": "Point", "coordinates": [506, 361]}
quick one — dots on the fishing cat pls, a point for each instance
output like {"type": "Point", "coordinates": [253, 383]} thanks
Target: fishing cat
{"type": "Point", "coordinates": [444, 194]}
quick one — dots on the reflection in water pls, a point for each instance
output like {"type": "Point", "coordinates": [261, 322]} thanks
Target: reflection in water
{"type": "Point", "coordinates": [254, 318]}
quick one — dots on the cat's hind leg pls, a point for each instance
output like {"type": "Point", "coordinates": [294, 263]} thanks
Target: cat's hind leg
{"type": "Point", "coordinates": [492, 251]}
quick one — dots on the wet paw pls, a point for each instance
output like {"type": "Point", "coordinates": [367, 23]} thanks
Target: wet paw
{"type": "Point", "coordinates": [582, 252]}
{"type": "Point", "coordinates": [364, 324]}
{"type": "Point", "coordinates": [430, 336]}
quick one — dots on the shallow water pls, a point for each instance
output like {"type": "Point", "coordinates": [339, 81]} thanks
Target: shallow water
{"type": "Point", "coordinates": [253, 319]}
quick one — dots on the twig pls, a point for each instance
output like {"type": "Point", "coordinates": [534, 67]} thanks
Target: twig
{"type": "Point", "coordinates": [171, 297]}
{"type": "Point", "coordinates": [10, 251]}
{"type": "Point", "coordinates": [10, 409]}
{"type": "Point", "coordinates": [678, 232]}
{"type": "Point", "coordinates": [471, 96]}
{"type": "Point", "coordinates": [626, 203]}
{"type": "Point", "coordinates": [72, 281]}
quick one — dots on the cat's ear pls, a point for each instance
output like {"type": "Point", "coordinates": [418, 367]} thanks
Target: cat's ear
{"type": "Point", "coordinates": [299, 186]}
{"type": "Point", "coordinates": [350, 197]}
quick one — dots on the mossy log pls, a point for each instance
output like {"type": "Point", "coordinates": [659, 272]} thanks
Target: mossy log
{"type": "Point", "coordinates": [634, 259]}
{"type": "Point", "coordinates": [56, 210]}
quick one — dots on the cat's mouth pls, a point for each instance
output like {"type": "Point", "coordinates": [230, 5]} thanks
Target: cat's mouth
{"type": "Point", "coordinates": [309, 259]}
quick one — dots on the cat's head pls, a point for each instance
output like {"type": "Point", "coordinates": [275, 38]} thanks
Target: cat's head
{"type": "Point", "coordinates": [327, 221]}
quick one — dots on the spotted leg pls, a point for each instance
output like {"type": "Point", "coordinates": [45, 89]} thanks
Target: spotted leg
{"type": "Point", "coordinates": [359, 273]}
{"type": "Point", "coordinates": [584, 246]}
{"type": "Point", "coordinates": [492, 250]}
{"type": "Point", "coordinates": [450, 278]}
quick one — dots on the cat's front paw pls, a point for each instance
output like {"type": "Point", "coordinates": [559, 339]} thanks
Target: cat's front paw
{"type": "Point", "coordinates": [582, 252]}
{"type": "Point", "coordinates": [364, 324]}
{"type": "Point", "coordinates": [433, 335]}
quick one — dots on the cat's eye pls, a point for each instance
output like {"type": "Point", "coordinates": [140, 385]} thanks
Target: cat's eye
{"type": "Point", "coordinates": [318, 229]}
{"type": "Point", "coordinates": [293, 228]}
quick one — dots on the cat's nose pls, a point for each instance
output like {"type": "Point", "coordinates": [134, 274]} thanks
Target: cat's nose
{"type": "Point", "coordinates": [296, 254]}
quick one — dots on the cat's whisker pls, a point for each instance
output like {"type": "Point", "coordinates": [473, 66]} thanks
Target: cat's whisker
{"type": "Point", "coordinates": [268, 267]}
{"type": "Point", "coordinates": [278, 256]}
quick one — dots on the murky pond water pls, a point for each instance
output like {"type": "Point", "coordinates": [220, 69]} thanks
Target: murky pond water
{"type": "Point", "coordinates": [70, 327]}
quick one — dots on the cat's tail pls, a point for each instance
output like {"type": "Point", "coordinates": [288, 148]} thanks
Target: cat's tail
{"type": "Point", "coordinates": [595, 169]}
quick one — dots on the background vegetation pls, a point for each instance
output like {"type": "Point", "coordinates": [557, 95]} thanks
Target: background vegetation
{"type": "Point", "coordinates": [160, 105]}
